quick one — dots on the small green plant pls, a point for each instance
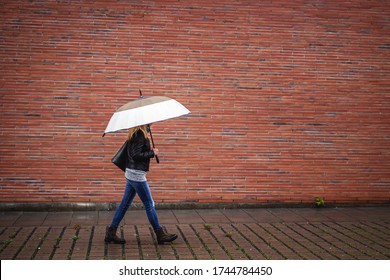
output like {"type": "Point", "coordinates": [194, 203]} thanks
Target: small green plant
{"type": "Point", "coordinates": [207, 226]}
{"type": "Point", "coordinates": [75, 237]}
{"type": "Point", "coordinates": [319, 202]}
{"type": "Point", "coordinates": [8, 241]}
{"type": "Point", "coordinates": [229, 234]}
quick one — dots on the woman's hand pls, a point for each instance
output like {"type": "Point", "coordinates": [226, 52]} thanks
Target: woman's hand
{"type": "Point", "coordinates": [155, 151]}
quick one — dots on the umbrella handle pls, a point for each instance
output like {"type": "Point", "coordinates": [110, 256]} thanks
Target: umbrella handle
{"type": "Point", "coordinates": [157, 159]}
{"type": "Point", "coordinates": [151, 138]}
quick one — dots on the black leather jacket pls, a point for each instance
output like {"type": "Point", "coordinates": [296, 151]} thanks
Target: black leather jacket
{"type": "Point", "coordinates": [139, 152]}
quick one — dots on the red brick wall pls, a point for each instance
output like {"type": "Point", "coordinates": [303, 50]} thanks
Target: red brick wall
{"type": "Point", "coordinates": [290, 99]}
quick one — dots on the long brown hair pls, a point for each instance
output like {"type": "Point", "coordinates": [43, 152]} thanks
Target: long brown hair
{"type": "Point", "coordinates": [134, 130]}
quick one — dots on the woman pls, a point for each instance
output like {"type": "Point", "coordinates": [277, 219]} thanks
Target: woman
{"type": "Point", "coordinates": [139, 154]}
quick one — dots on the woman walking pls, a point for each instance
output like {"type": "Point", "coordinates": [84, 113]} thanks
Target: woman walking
{"type": "Point", "coordinates": [139, 153]}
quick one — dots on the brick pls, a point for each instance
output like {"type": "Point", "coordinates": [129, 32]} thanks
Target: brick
{"type": "Point", "coordinates": [289, 100]}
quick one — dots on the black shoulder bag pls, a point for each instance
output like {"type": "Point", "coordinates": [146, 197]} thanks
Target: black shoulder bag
{"type": "Point", "coordinates": [120, 158]}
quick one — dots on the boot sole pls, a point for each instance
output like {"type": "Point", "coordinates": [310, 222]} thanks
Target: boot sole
{"type": "Point", "coordinates": [170, 240]}
{"type": "Point", "coordinates": [112, 241]}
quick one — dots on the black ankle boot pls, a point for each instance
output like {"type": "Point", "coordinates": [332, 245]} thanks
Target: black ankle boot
{"type": "Point", "coordinates": [112, 237]}
{"type": "Point", "coordinates": [163, 236]}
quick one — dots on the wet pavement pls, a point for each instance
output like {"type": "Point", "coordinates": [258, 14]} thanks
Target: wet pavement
{"type": "Point", "coordinates": [220, 234]}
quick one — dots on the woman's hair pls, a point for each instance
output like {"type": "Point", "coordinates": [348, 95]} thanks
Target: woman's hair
{"type": "Point", "coordinates": [134, 130]}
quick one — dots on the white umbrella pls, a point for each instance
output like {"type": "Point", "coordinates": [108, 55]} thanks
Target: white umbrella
{"type": "Point", "coordinates": [145, 110]}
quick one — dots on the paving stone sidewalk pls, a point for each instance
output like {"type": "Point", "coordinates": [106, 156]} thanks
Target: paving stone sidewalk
{"type": "Point", "coordinates": [221, 234]}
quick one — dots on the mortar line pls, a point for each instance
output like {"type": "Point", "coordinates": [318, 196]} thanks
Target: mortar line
{"type": "Point", "coordinates": [173, 247]}
{"type": "Point", "coordinates": [235, 243]}
{"type": "Point", "coordinates": [90, 242]}
{"type": "Point", "coordinates": [296, 241]}
{"type": "Point", "coordinates": [141, 256]}
{"type": "Point", "coordinates": [365, 237]}
{"type": "Point", "coordinates": [40, 244]}
{"type": "Point", "coordinates": [24, 243]}
{"type": "Point", "coordinates": [10, 238]}
{"type": "Point", "coordinates": [59, 238]}
{"type": "Point", "coordinates": [314, 244]}
{"type": "Point", "coordinates": [73, 243]}
{"type": "Point", "coordinates": [374, 228]}
{"type": "Point", "coordinates": [343, 242]}
{"type": "Point", "coordinates": [123, 245]}
{"type": "Point", "coordinates": [155, 243]}
{"type": "Point", "coordinates": [220, 244]}
{"type": "Point", "coordinates": [250, 241]}
{"type": "Point", "coordinates": [3, 230]}
{"type": "Point", "coordinates": [186, 241]}
{"type": "Point", "coordinates": [105, 257]}
{"type": "Point", "coordinates": [349, 237]}
{"type": "Point", "coordinates": [281, 241]}
{"type": "Point", "coordinates": [202, 241]}
{"type": "Point", "coordinates": [331, 244]}
{"type": "Point", "coordinates": [378, 223]}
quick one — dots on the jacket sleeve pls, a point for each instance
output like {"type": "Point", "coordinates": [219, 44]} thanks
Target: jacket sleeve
{"type": "Point", "coordinates": [137, 151]}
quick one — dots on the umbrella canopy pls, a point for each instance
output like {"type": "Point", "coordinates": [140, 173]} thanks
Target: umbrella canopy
{"type": "Point", "coordinates": [145, 110]}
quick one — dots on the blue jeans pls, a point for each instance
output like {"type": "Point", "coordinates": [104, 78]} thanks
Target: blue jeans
{"type": "Point", "coordinates": [143, 191]}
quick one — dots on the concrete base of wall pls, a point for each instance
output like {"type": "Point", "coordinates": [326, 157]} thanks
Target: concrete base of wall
{"type": "Point", "coordinates": [76, 206]}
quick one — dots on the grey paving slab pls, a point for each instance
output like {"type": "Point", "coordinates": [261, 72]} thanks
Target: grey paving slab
{"type": "Point", "coordinates": [166, 217]}
{"type": "Point", "coordinates": [368, 213]}
{"type": "Point", "coordinates": [31, 219]}
{"type": "Point", "coordinates": [310, 214]}
{"type": "Point", "coordinates": [9, 218]}
{"type": "Point", "coordinates": [135, 217]}
{"type": "Point", "coordinates": [238, 216]}
{"type": "Point", "coordinates": [262, 215]}
{"type": "Point", "coordinates": [105, 217]}
{"type": "Point", "coordinates": [212, 216]}
{"type": "Point", "coordinates": [286, 215]}
{"type": "Point", "coordinates": [58, 219]}
{"type": "Point", "coordinates": [189, 216]}
{"type": "Point", "coordinates": [339, 214]}
{"type": "Point", "coordinates": [84, 217]}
